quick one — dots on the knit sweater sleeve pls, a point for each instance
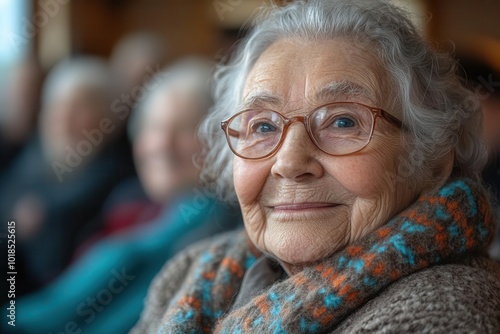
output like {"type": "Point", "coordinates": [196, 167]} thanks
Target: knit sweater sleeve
{"type": "Point", "coordinates": [164, 287]}
{"type": "Point", "coordinates": [453, 298]}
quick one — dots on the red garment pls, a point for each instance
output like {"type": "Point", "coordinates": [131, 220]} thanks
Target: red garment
{"type": "Point", "coordinates": [119, 219]}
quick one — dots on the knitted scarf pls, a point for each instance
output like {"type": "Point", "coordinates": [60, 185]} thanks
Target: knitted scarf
{"type": "Point", "coordinates": [452, 222]}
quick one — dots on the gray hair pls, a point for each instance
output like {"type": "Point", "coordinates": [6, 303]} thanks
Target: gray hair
{"type": "Point", "coordinates": [82, 72]}
{"type": "Point", "coordinates": [442, 117]}
{"type": "Point", "coordinates": [191, 75]}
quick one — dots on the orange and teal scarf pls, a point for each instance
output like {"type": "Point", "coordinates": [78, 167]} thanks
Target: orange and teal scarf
{"type": "Point", "coordinates": [453, 222]}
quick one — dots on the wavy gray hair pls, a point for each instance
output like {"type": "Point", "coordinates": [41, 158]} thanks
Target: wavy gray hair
{"type": "Point", "coordinates": [86, 72]}
{"type": "Point", "coordinates": [442, 117]}
{"type": "Point", "coordinates": [190, 74]}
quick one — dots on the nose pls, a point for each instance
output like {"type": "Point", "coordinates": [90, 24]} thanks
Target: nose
{"type": "Point", "coordinates": [296, 159]}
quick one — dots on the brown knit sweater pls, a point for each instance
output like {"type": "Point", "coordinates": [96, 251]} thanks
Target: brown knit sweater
{"type": "Point", "coordinates": [462, 297]}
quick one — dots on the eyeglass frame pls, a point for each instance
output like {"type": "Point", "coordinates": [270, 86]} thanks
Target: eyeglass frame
{"type": "Point", "coordinates": [375, 112]}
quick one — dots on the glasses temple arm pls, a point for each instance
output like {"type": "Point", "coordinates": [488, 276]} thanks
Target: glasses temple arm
{"type": "Point", "coordinates": [392, 119]}
{"type": "Point", "coordinates": [233, 133]}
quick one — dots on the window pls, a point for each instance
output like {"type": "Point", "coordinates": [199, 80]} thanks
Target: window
{"type": "Point", "coordinates": [15, 31]}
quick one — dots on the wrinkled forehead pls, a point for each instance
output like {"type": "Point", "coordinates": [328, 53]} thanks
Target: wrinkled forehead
{"type": "Point", "coordinates": [301, 74]}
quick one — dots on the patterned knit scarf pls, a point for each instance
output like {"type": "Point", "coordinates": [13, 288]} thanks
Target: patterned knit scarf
{"type": "Point", "coordinates": [449, 223]}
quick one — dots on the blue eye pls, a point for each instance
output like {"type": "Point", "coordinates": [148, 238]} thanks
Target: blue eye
{"type": "Point", "coordinates": [264, 127]}
{"type": "Point", "coordinates": [344, 122]}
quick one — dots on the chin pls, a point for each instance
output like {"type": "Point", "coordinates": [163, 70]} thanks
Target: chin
{"type": "Point", "coordinates": [300, 249]}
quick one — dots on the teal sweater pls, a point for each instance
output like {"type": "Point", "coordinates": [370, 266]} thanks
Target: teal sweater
{"type": "Point", "coordinates": [104, 291]}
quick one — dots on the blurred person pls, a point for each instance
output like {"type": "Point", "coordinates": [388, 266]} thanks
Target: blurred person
{"type": "Point", "coordinates": [19, 109]}
{"type": "Point", "coordinates": [62, 176]}
{"type": "Point", "coordinates": [135, 58]}
{"type": "Point", "coordinates": [161, 130]}
{"type": "Point", "coordinates": [484, 81]}
{"type": "Point", "coordinates": [103, 291]}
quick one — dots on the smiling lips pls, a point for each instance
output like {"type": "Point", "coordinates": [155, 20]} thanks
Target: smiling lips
{"type": "Point", "coordinates": [304, 206]}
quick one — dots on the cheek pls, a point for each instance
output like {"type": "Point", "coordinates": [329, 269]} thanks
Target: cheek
{"type": "Point", "coordinates": [359, 176]}
{"type": "Point", "coordinates": [142, 145]}
{"type": "Point", "coordinates": [369, 174]}
{"type": "Point", "coordinates": [373, 184]}
{"type": "Point", "coordinates": [249, 180]}
{"type": "Point", "coordinates": [86, 116]}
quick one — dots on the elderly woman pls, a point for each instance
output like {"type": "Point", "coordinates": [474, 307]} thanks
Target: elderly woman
{"type": "Point", "coordinates": [355, 160]}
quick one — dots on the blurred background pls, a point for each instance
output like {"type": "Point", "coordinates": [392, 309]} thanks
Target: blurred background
{"type": "Point", "coordinates": [42, 32]}
{"type": "Point", "coordinates": [99, 103]}
{"type": "Point", "coordinates": [53, 29]}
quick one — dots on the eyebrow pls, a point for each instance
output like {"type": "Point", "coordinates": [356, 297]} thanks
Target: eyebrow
{"type": "Point", "coordinates": [345, 88]}
{"type": "Point", "coordinates": [333, 91]}
{"type": "Point", "coordinates": [260, 99]}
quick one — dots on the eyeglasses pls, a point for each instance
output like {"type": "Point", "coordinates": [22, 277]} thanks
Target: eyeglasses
{"type": "Point", "coordinates": [339, 128]}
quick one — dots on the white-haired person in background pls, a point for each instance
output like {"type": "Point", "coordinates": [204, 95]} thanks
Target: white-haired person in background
{"type": "Point", "coordinates": [132, 251]}
{"type": "Point", "coordinates": [59, 181]}
{"type": "Point", "coordinates": [162, 132]}
{"type": "Point", "coordinates": [354, 152]}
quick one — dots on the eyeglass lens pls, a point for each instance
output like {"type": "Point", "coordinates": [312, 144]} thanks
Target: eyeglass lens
{"type": "Point", "coordinates": [336, 129]}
